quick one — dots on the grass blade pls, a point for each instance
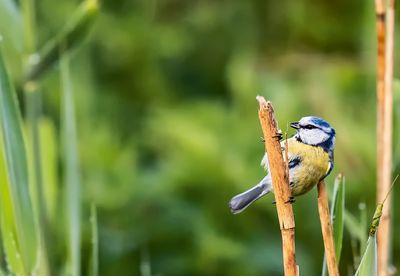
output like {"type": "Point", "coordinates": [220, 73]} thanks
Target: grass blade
{"type": "Point", "coordinates": [338, 214]}
{"type": "Point", "coordinates": [17, 171]}
{"type": "Point", "coordinates": [94, 261]}
{"type": "Point", "coordinates": [28, 12]}
{"type": "Point", "coordinates": [369, 261]}
{"type": "Point", "coordinates": [71, 169]}
{"type": "Point", "coordinates": [49, 156]}
{"type": "Point", "coordinates": [355, 228]}
{"type": "Point", "coordinates": [364, 226]}
{"type": "Point", "coordinates": [10, 24]}
{"type": "Point", "coordinates": [34, 150]}
{"type": "Point", "coordinates": [73, 33]}
{"type": "Point", "coordinates": [368, 264]}
{"type": "Point", "coordinates": [7, 221]}
{"type": "Point", "coordinates": [358, 230]}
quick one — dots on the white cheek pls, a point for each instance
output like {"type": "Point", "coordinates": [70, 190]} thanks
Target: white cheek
{"type": "Point", "coordinates": [314, 136]}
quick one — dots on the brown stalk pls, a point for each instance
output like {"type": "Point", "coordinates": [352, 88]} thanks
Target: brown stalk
{"type": "Point", "coordinates": [380, 82]}
{"type": "Point", "coordinates": [384, 127]}
{"type": "Point", "coordinates": [327, 231]}
{"type": "Point", "coordinates": [280, 183]}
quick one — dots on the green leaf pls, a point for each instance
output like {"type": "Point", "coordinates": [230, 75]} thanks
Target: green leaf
{"type": "Point", "coordinates": [7, 221]}
{"type": "Point", "coordinates": [368, 264]}
{"type": "Point", "coordinates": [17, 172]}
{"type": "Point", "coordinates": [71, 164]}
{"type": "Point", "coordinates": [338, 214]}
{"type": "Point", "coordinates": [73, 34]}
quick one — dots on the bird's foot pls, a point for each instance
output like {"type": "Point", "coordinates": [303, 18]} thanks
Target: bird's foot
{"type": "Point", "coordinates": [291, 200]}
{"type": "Point", "coordinates": [278, 135]}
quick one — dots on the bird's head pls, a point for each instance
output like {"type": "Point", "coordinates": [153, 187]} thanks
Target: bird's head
{"type": "Point", "coordinates": [315, 131]}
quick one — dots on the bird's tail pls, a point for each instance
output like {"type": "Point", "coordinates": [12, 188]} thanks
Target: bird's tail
{"type": "Point", "coordinates": [243, 200]}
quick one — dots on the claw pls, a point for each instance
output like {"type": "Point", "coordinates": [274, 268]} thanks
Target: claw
{"type": "Point", "coordinates": [291, 200]}
{"type": "Point", "coordinates": [278, 135]}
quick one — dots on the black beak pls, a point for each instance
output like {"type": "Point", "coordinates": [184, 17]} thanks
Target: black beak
{"type": "Point", "coordinates": [295, 125]}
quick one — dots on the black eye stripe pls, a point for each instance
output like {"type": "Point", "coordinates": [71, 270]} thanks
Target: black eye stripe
{"type": "Point", "coordinates": [309, 127]}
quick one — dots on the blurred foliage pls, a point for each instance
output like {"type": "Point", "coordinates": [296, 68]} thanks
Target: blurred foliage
{"type": "Point", "coordinates": [168, 129]}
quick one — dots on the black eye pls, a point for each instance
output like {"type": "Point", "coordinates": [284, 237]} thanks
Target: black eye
{"type": "Point", "coordinates": [309, 126]}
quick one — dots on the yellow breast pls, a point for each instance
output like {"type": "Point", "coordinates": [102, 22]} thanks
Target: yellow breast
{"type": "Point", "coordinates": [313, 167]}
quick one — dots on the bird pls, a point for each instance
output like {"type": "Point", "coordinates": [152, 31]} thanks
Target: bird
{"type": "Point", "coordinates": [311, 159]}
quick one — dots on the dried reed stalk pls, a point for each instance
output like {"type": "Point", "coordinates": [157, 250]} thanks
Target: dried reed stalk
{"type": "Point", "coordinates": [327, 231]}
{"type": "Point", "coordinates": [385, 127]}
{"type": "Point", "coordinates": [380, 81]}
{"type": "Point", "coordinates": [280, 182]}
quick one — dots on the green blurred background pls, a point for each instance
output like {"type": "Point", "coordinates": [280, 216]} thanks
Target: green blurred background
{"type": "Point", "coordinates": [168, 128]}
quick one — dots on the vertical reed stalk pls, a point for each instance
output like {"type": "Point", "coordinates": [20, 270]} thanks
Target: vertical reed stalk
{"type": "Point", "coordinates": [385, 131]}
{"type": "Point", "coordinates": [327, 230]}
{"type": "Point", "coordinates": [380, 81]}
{"type": "Point", "coordinates": [94, 259]}
{"type": "Point", "coordinates": [280, 182]}
{"type": "Point", "coordinates": [71, 162]}
{"type": "Point", "coordinates": [33, 105]}
{"type": "Point", "coordinates": [28, 11]}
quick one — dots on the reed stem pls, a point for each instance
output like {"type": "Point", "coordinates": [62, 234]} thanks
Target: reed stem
{"type": "Point", "coordinates": [385, 131]}
{"type": "Point", "coordinates": [280, 182]}
{"type": "Point", "coordinates": [327, 230]}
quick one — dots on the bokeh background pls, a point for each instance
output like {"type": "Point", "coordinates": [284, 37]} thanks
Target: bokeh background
{"type": "Point", "coordinates": [168, 128]}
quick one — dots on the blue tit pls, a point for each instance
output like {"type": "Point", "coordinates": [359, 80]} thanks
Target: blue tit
{"type": "Point", "coordinates": [310, 153]}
